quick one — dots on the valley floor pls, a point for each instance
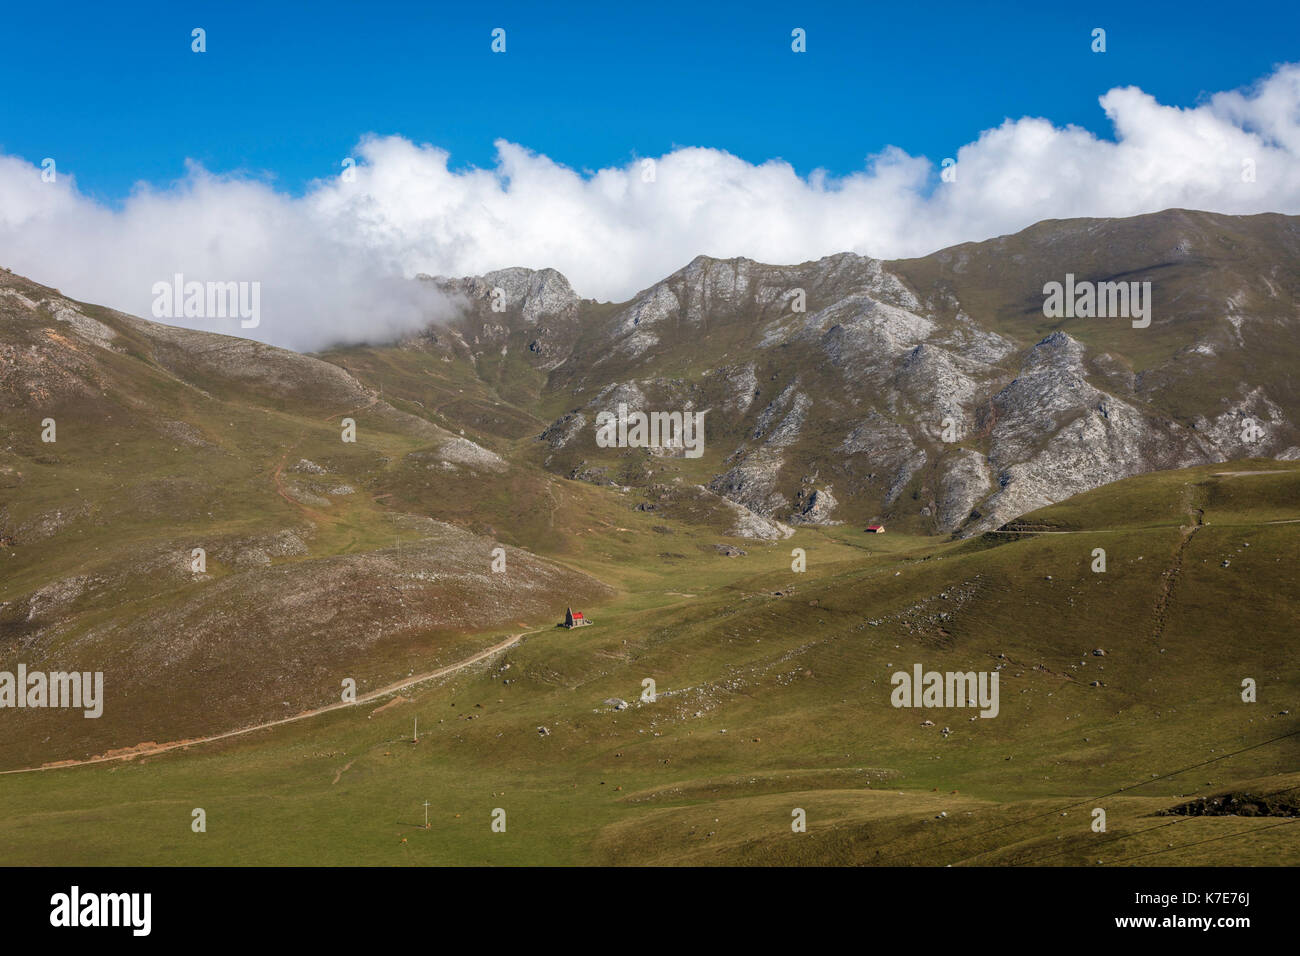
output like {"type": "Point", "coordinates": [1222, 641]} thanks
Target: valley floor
{"type": "Point", "coordinates": [1123, 696]}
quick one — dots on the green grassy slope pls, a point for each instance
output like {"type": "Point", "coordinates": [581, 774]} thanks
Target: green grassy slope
{"type": "Point", "coordinates": [169, 441]}
{"type": "Point", "coordinates": [773, 694]}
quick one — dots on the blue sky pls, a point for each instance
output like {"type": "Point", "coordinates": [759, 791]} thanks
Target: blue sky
{"type": "Point", "coordinates": [470, 161]}
{"type": "Point", "coordinates": [114, 93]}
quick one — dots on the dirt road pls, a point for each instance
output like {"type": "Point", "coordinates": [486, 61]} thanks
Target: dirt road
{"type": "Point", "coordinates": [150, 750]}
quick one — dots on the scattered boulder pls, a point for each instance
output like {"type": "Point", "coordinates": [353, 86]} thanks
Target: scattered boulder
{"type": "Point", "coordinates": [252, 558]}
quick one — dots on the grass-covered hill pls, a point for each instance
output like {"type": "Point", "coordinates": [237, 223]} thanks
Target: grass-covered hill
{"type": "Point", "coordinates": [323, 559]}
{"type": "Point", "coordinates": [773, 695]}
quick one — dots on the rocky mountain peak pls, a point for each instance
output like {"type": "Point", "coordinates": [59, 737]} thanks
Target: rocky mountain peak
{"type": "Point", "coordinates": [935, 391]}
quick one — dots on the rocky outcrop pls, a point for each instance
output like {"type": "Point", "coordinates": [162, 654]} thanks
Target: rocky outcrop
{"type": "Point", "coordinates": [535, 294]}
{"type": "Point", "coordinates": [899, 382]}
{"type": "Point", "coordinates": [814, 507]}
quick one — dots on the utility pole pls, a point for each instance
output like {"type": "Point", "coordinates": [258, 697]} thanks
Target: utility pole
{"type": "Point", "coordinates": [426, 814]}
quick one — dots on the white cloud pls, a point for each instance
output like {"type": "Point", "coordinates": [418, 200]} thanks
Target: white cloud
{"type": "Point", "coordinates": [331, 262]}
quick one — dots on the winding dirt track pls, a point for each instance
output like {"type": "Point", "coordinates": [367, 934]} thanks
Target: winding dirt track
{"type": "Point", "coordinates": [364, 698]}
{"type": "Point", "coordinates": [278, 481]}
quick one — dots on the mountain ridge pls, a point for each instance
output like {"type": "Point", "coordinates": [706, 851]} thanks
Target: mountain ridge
{"type": "Point", "coordinates": [959, 335]}
{"type": "Point", "coordinates": [930, 392]}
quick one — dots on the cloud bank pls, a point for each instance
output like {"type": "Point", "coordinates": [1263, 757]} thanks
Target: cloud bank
{"type": "Point", "coordinates": [333, 262]}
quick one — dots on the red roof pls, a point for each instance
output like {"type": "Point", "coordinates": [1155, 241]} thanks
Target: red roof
{"type": "Point", "coordinates": [577, 615]}
{"type": "Point", "coordinates": [874, 527]}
